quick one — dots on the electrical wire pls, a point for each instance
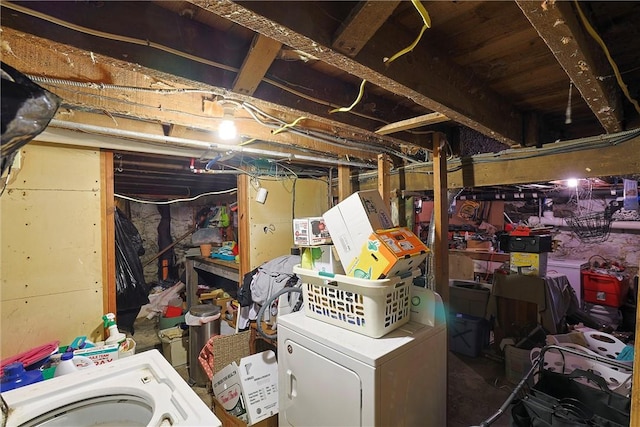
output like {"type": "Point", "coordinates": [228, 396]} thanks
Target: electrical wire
{"type": "Point", "coordinates": [358, 98]}
{"type": "Point", "coordinates": [592, 32]}
{"type": "Point", "coordinates": [168, 202]}
{"type": "Point", "coordinates": [426, 19]}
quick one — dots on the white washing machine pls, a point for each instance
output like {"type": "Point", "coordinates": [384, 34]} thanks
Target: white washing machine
{"type": "Point", "coordinates": [139, 390]}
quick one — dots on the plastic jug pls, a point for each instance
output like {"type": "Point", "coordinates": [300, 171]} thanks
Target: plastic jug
{"type": "Point", "coordinates": [70, 363]}
{"type": "Point", "coordinates": [15, 376]}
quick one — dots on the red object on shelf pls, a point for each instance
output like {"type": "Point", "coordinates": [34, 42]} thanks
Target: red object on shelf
{"type": "Point", "coordinates": [604, 289]}
{"type": "Point", "coordinates": [520, 230]}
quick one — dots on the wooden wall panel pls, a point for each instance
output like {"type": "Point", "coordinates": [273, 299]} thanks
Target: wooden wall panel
{"type": "Point", "coordinates": [271, 223]}
{"type": "Point", "coordinates": [51, 259]}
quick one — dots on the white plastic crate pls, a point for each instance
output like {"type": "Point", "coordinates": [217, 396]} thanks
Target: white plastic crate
{"type": "Point", "coordinates": [369, 307]}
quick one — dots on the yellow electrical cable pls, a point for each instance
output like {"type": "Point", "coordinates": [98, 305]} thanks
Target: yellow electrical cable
{"type": "Point", "coordinates": [426, 19]}
{"type": "Point", "coordinates": [616, 71]}
{"type": "Point", "coordinates": [248, 141]}
{"type": "Point", "coordinates": [289, 125]}
{"type": "Point", "coordinates": [346, 109]}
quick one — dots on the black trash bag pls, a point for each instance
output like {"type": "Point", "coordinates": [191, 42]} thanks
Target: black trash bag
{"type": "Point", "coordinates": [27, 110]}
{"type": "Point", "coordinates": [131, 289]}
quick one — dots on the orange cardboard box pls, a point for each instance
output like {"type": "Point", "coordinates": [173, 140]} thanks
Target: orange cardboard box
{"type": "Point", "coordinates": [387, 253]}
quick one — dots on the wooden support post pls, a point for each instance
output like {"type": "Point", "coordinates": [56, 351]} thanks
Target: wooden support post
{"type": "Point", "coordinates": [384, 179]}
{"type": "Point", "coordinates": [441, 218]}
{"type": "Point", "coordinates": [344, 182]}
{"type": "Point", "coordinates": [108, 233]}
{"type": "Point", "coordinates": [244, 234]}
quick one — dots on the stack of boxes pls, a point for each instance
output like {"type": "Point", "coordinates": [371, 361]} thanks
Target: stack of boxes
{"type": "Point", "coordinates": [368, 244]}
{"type": "Point", "coordinates": [360, 251]}
{"type": "Point", "coordinates": [357, 238]}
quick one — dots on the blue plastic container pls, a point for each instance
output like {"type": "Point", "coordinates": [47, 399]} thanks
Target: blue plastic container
{"type": "Point", "coordinates": [15, 376]}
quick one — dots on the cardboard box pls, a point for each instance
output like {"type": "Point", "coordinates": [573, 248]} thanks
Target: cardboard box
{"type": "Point", "coordinates": [387, 253]}
{"type": "Point", "coordinates": [229, 420]}
{"type": "Point", "coordinates": [100, 354]}
{"type": "Point", "coordinates": [310, 232]}
{"type": "Point", "coordinates": [227, 390]}
{"type": "Point", "coordinates": [528, 264]}
{"type": "Point", "coordinates": [352, 221]}
{"type": "Point", "coordinates": [321, 258]}
{"type": "Point", "coordinates": [249, 390]}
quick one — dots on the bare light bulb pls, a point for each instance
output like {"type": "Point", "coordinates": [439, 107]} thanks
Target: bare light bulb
{"type": "Point", "coordinates": [572, 182]}
{"type": "Point", "coordinates": [227, 130]}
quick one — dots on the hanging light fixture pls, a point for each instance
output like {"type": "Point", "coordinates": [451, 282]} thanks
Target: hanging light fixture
{"type": "Point", "coordinates": [227, 129]}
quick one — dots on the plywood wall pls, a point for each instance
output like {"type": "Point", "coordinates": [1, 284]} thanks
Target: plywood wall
{"type": "Point", "coordinates": [271, 223]}
{"type": "Point", "coordinates": [51, 256]}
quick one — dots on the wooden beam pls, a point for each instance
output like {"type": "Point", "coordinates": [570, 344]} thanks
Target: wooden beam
{"type": "Point", "coordinates": [523, 166]}
{"type": "Point", "coordinates": [361, 24]}
{"type": "Point", "coordinates": [412, 123]}
{"type": "Point", "coordinates": [163, 48]}
{"type": "Point", "coordinates": [446, 90]}
{"type": "Point", "coordinates": [384, 166]}
{"type": "Point", "coordinates": [181, 108]}
{"type": "Point", "coordinates": [580, 57]}
{"type": "Point", "coordinates": [107, 201]}
{"type": "Point", "coordinates": [441, 219]}
{"type": "Point", "coordinates": [344, 182]}
{"type": "Point", "coordinates": [244, 228]}
{"type": "Point", "coordinates": [261, 54]}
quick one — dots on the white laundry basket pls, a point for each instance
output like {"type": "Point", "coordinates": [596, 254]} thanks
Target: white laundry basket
{"type": "Point", "coordinates": [369, 307]}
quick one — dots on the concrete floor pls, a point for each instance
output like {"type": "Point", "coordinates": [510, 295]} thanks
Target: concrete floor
{"type": "Point", "coordinates": [476, 386]}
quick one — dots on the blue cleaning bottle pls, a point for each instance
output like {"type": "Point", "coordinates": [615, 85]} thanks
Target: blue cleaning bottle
{"type": "Point", "coordinates": [15, 376]}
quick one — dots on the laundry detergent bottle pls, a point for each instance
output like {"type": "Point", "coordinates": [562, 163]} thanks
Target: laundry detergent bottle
{"type": "Point", "coordinates": [70, 363]}
{"type": "Point", "coordinates": [15, 376]}
{"type": "Point", "coordinates": [115, 336]}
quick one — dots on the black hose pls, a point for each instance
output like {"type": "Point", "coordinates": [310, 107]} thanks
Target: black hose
{"type": "Point", "coordinates": [268, 303]}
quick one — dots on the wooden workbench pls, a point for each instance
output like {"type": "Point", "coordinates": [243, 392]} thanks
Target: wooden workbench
{"type": "Point", "coordinates": [218, 267]}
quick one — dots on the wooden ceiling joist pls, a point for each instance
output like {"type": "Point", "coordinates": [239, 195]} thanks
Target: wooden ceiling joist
{"type": "Point", "coordinates": [363, 22]}
{"type": "Point", "coordinates": [580, 57]}
{"type": "Point", "coordinates": [261, 54]}
{"type": "Point", "coordinates": [447, 89]}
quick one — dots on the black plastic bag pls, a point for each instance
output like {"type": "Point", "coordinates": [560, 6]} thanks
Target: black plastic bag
{"type": "Point", "coordinates": [27, 110]}
{"type": "Point", "coordinates": [131, 289]}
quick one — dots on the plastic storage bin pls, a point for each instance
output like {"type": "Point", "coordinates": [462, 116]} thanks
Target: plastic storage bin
{"type": "Point", "coordinates": [468, 335]}
{"type": "Point", "coordinates": [604, 289]}
{"type": "Point", "coordinates": [369, 307]}
{"type": "Point", "coordinates": [468, 297]}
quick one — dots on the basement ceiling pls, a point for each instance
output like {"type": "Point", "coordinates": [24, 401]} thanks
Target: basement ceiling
{"type": "Point", "coordinates": [314, 85]}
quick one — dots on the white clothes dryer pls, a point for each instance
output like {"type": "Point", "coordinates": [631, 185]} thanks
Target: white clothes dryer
{"type": "Point", "coordinates": [139, 390]}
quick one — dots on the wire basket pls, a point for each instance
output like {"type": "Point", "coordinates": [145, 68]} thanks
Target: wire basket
{"type": "Point", "coordinates": [591, 228]}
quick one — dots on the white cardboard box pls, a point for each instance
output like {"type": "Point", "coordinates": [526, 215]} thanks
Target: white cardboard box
{"type": "Point", "coordinates": [228, 391]}
{"type": "Point", "coordinates": [251, 386]}
{"type": "Point", "coordinates": [352, 221]}
{"type": "Point", "coordinates": [310, 231]}
{"type": "Point", "coordinates": [100, 354]}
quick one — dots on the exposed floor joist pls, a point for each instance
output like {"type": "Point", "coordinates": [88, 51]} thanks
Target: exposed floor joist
{"type": "Point", "coordinates": [363, 22]}
{"type": "Point", "coordinates": [446, 90]}
{"type": "Point", "coordinates": [579, 56]}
